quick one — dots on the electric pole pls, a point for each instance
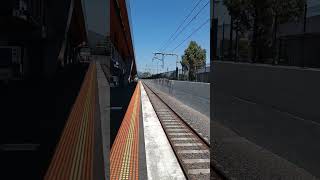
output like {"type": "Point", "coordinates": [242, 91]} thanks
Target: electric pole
{"type": "Point", "coordinates": [162, 59]}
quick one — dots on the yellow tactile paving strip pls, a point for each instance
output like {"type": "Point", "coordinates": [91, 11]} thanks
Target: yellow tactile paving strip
{"type": "Point", "coordinates": [73, 158]}
{"type": "Point", "coordinates": [124, 157]}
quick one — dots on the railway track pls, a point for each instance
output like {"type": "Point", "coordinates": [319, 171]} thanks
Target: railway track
{"type": "Point", "coordinates": [191, 150]}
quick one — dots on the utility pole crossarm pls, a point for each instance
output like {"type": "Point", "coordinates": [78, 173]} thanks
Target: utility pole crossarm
{"type": "Point", "coordinates": [166, 54]}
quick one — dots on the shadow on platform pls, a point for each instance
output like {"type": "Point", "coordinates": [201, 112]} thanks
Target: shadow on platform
{"type": "Point", "coordinates": [120, 98]}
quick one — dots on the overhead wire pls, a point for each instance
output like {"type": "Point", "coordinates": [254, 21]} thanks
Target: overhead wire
{"type": "Point", "coordinates": [192, 33]}
{"type": "Point", "coordinates": [193, 18]}
{"type": "Point", "coordinates": [165, 44]}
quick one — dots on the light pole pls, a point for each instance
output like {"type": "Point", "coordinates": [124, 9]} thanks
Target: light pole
{"type": "Point", "coordinates": [213, 31]}
{"type": "Point", "coordinates": [231, 38]}
{"type": "Point", "coordinates": [305, 16]}
{"type": "Point", "coordinates": [177, 70]}
{"type": "Point", "coordinates": [304, 32]}
{"type": "Point", "coordinates": [223, 30]}
{"type": "Point", "coordinates": [157, 61]}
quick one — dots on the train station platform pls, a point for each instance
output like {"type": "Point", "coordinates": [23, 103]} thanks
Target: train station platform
{"type": "Point", "coordinates": [154, 142]}
{"type": "Point", "coordinates": [79, 153]}
{"type": "Point", "coordinates": [33, 114]}
{"type": "Point", "coordinates": [120, 128]}
{"type": "Point", "coordinates": [137, 132]}
{"type": "Point", "coordinates": [141, 149]}
{"type": "Point", "coordinates": [162, 147]}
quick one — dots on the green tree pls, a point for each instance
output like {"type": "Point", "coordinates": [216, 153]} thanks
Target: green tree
{"type": "Point", "coordinates": [259, 12]}
{"type": "Point", "coordinates": [238, 10]}
{"type": "Point", "coordinates": [283, 11]}
{"type": "Point", "coordinates": [146, 75]}
{"type": "Point", "coordinates": [239, 20]}
{"type": "Point", "coordinates": [194, 58]}
{"type": "Point", "coordinates": [262, 18]}
{"type": "Point", "coordinates": [250, 15]}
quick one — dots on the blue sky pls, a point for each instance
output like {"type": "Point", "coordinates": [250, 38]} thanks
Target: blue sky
{"type": "Point", "coordinates": [153, 22]}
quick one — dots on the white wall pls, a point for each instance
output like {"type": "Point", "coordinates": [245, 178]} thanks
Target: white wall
{"type": "Point", "coordinates": [194, 94]}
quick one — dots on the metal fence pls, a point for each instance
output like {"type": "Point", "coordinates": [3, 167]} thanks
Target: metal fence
{"type": "Point", "coordinates": [201, 75]}
{"type": "Point", "coordinates": [293, 50]}
{"type": "Point", "coordinates": [296, 42]}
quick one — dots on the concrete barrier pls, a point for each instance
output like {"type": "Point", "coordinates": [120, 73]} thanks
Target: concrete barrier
{"type": "Point", "coordinates": [193, 94]}
{"type": "Point", "coordinates": [275, 107]}
{"type": "Point", "coordinates": [290, 89]}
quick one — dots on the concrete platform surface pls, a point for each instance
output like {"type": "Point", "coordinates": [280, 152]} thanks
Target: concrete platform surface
{"type": "Point", "coordinates": [161, 161]}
